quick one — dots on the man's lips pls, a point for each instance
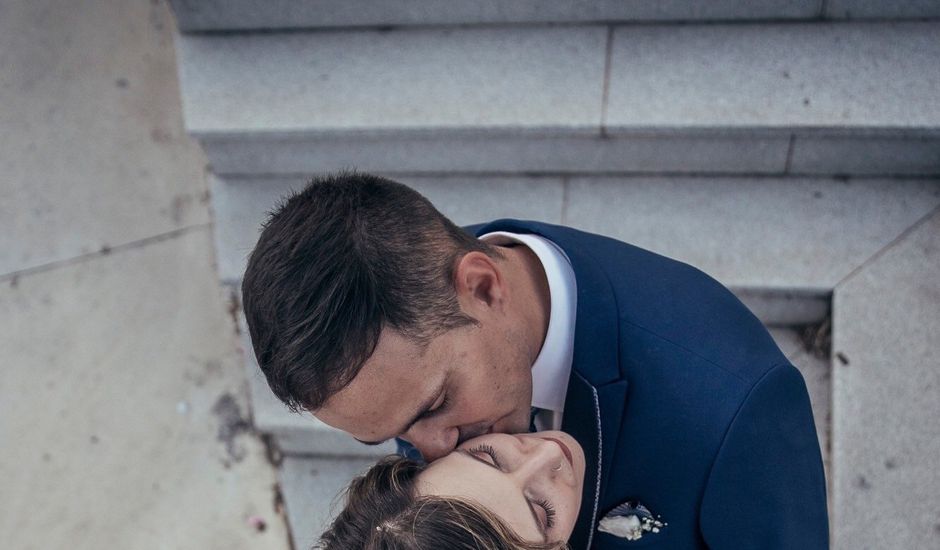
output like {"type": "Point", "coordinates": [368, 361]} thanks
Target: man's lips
{"type": "Point", "coordinates": [564, 449]}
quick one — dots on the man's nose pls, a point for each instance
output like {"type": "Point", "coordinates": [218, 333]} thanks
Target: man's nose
{"type": "Point", "coordinates": [433, 442]}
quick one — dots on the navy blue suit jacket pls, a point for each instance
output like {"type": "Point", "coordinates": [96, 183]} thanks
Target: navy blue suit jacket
{"type": "Point", "coordinates": [683, 402]}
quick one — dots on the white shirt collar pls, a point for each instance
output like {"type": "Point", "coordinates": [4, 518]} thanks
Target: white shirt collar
{"type": "Point", "coordinates": [552, 367]}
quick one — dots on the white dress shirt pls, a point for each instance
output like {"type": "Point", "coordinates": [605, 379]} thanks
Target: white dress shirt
{"type": "Point", "coordinates": [552, 367]}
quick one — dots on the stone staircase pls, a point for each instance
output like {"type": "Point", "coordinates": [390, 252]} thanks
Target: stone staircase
{"type": "Point", "coordinates": [779, 146]}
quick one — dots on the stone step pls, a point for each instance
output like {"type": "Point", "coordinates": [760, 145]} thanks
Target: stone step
{"type": "Point", "coordinates": [280, 14]}
{"type": "Point", "coordinates": [817, 98]}
{"type": "Point", "coordinates": [312, 485]}
{"type": "Point", "coordinates": [767, 238]}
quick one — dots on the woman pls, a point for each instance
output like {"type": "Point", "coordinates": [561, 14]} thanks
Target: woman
{"type": "Point", "coordinates": [496, 491]}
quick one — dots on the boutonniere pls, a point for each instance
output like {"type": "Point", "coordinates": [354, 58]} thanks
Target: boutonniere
{"type": "Point", "coordinates": [631, 520]}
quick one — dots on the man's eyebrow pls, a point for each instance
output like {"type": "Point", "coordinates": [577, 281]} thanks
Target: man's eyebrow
{"type": "Point", "coordinates": [535, 516]}
{"type": "Point", "coordinates": [422, 410]}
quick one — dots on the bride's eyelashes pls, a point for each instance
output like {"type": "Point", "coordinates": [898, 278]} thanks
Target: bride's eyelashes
{"type": "Point", "coordinates": [541, 502]}
{"type": "Point", "coordinates": [549, 512]}
{"type": "Point", "coordinates": [489, 450]}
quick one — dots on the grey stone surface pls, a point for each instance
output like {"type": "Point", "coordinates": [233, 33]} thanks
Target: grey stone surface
{"type": "Point", "coordinates": [817, 373]}
{"type": "Point", "coordinates": [92, 145]}
{"type": "Point", "coordinates": [691, 99]}
{"type": "Point", "coordinates": [794, 233]}
{"type": "Point", "coordinates": [859, 9]}
{"type": "Point", "coordinates": [470, 200]}
{"type": "Point", "coordinates": [886, 382]}
{"type": "Point", "coordinates": [783, 307]}
{"type": "Point", "coordinates": [668, 152]}
{"type": "Point", "coordinates": [788, 340]}
{"type": "Point", "coordinates": [123, 414]}
{"type": "Point", "coordinates": [377, 81]}
{"type": "Point", "coordinates": [312, 489]}
{"type": "Point", "coordinates": [195, 15]}
{"type": "Point", "coordinates": [865, 155]}
{"type": "Point", "coordinates": [296, 433]}
{"type": "Point", "coordinates": [824, 75]}
{"type": "Point", "coordinates": [241, 205]}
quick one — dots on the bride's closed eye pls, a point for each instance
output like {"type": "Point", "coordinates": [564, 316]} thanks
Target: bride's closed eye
{"type": "Point", "coordinates": [547, 517]}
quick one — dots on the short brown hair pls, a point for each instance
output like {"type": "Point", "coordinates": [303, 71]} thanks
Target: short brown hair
{"type": "Point", "coordinates": [337, 262]}
{"type": "Point", "coordinates": [384, 512]}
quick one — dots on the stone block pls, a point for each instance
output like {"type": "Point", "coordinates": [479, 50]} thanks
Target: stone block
{"type": "Point", "coordinates": [783, 307]}
{"type": "Point", "coordinates": [866, 155]}
{"type": "Point", "coordinates": [882, 9]}
{"type": "Point", "coordinates": [239, 207]}
{"type": "Point", "coordinates": [122, 408]}
{"type": "Point", "coordinates": [501, 154]}
{"type": "Point", "coordinates": [93, 149]}
{"type": "Point", "coordinates": [313, 493]}
{"type": "Point", "coordinates": [752, 233]}
{"type": "Point", "coordinates": [852, 76]}
{"type": "Point", "coordinates": [374, 82]}
{"type": "Point", "coordinates": [886, 376]}
{"type": "Point", "coordinates": [204, 15]}
{"type": "Point", "coordinates": [788, 340]}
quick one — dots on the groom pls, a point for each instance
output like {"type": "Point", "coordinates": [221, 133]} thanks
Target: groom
{"type": "Point", "coordinates": [370, 309]}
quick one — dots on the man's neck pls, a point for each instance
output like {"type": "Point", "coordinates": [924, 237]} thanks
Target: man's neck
{"type": "Point", "coordinates": [533, 302]}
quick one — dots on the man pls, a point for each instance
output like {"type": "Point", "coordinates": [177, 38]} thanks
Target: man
{"type": "Point", "coordinates": [370, 309]}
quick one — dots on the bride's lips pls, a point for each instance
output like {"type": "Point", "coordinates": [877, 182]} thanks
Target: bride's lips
{"type": "Point", "coordinates": [564, 449]}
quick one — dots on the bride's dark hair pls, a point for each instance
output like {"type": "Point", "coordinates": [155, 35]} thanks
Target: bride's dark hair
{"type": "Point", "coordinates": [384, 512]}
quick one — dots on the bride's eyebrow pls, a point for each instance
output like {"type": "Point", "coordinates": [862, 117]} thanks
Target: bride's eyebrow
{"type": "Point", "coordinates": [535, 517]}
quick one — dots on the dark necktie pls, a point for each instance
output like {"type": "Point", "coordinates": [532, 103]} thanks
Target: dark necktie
{"type": "Point", "coordinates": [533, 412]}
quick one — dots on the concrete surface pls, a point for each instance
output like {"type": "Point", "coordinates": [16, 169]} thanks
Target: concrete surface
{"type": "Point", "coordinates": [395, 80]}
{"type": "Point", "coordinates": [851, 98]}
{"type": "Point", "coordinates": [123, 405]}
{"type": "Point", "coordinates": [795, 233]}
{"type": "Point", "coordinates": [839, 75]}
{"type": "Point", "coordinates": [313, 492]}
{"type": "Point", "coordinates": [200, 15]}
{"type": "Point", "coordinates": [261, 153]}
{"type": "Point", "coordinates": [93, 149]}
{"type": "Point", "coordinates": [860, 9]}
{"type": "Point", "coordinates": [886, 398]}
{"type": "Point", "coordinates": [123, 409]}
{"type": "Point", "coordinates": [825, 153]}
{"type": "Point", "coordinates": [754, 232]}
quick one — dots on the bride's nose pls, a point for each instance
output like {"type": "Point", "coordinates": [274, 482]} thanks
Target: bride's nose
{"type": "Point", "coordinates": [539, 457]}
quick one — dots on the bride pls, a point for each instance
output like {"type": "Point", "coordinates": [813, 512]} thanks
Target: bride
{"type": "Point", "coordinates": [493, 492]}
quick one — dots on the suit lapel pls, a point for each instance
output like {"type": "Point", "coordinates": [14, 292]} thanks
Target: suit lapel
{"type": "Point", "coordinates": [593, 417]}
{"type": "Point", "coordinates": [597, 393]}
{"type": "Point", "coordinates": [582, 420]}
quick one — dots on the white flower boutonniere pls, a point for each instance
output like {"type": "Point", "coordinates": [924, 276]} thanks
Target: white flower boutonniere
{"type": "Point", "coordinates": [631, 520]}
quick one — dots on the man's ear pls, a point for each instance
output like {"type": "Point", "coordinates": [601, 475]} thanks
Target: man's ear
{"type": "Point", "coordinates": [479, 282]}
